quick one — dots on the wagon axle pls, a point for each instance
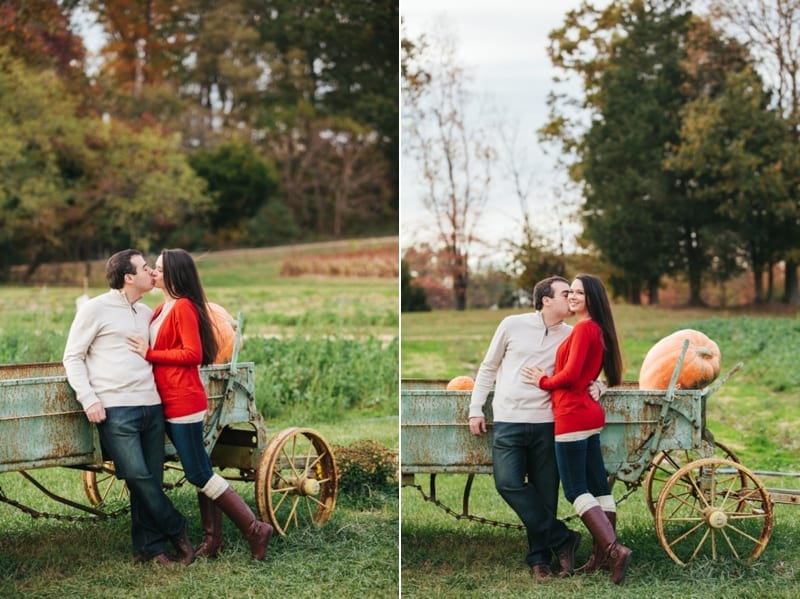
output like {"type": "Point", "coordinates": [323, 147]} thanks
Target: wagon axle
{"type": "Point", "coordinates": [304, 485]}
{"type": "Point", "coordinates": [715, 517]}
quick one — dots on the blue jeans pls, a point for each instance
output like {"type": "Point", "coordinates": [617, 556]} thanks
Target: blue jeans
{"type": "Point", "coordinates": [134, 438]}
{"type": "Point", "coordinates": [526, 476]}
{"type": "Point", "coordinates": [580, 464]}
{"type": "Point", "coordinates": [188, 441]}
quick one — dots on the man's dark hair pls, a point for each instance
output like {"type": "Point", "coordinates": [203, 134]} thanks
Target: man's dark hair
{"type": "Point", "coordinates": [120, 265]}
{"type": "Point", "coordinates": [544, 288]}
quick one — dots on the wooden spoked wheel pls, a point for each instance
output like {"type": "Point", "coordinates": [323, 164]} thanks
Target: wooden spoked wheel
{"type": "Point", "coordinates": [716, 509]}
{"type": "Point", "coordinates": [666, 463]}
{"type": "Point", "coordinates": [103, 486]}
{"type": "Point", "coordinates": [296, 480]}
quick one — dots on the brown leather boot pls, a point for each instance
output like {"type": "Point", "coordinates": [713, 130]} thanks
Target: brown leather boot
{"type": "Point", "coordinates": [211, 520]}
{"type": "Point", "coordinates": [596, 559]}
{"type": "Point", "coordinates": [566, 553]}
{"type": "Point", "coordinates": [256, 533]}
{"type": "Point", "coordinates": [617, 556]}
{"type": "Point", "coordinates": [185, 551]}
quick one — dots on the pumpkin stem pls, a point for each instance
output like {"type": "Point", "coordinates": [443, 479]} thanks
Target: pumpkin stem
{"type": "Point", "coordinates": [703, 352]}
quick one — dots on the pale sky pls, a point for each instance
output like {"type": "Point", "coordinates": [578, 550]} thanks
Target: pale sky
{"type": "Point", "coordinates": [503, 44]}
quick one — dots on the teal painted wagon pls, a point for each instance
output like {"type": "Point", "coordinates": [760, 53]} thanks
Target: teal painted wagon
{"type": "Point", "coordinates": [704, 501]}
{"type": "Point", "coordinates": [43, 426]}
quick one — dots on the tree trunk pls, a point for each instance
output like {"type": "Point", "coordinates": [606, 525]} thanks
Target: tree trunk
{"type": "Point", "coordinates": [695, 287]}
{"type": "Point", "coordinates": [652, 292]}
{"type": "Point", "coordinates": [460, 290]}
{"type": "Point", "coordinates": [791, 293]}
{"type": "Point", "coordinates": [635, 292]}
{"type": "Point", "coordinates": [460, 281]}
{"type": "Point", "coordinates": [758, 283]}
{"type": "Point", "coordinates": [770, 282]}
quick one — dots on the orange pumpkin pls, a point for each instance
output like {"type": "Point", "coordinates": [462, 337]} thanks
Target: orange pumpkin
{"type": "Point", "coordinates": [700, 365]}
{"type": "Point", "coordinates": [225, 330]}
{"type": "Point", "coordinates": [461, 383]}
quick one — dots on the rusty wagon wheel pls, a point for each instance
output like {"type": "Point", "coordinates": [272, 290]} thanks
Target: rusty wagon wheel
{"type": "Point", "coordinates": [296, 480]}
{"type": "Point", "coordinates": [101, 486]}
{"type": "Point", "coordinates": [667, 462]}
{"type": "Point", "coordinates": [713, 508]}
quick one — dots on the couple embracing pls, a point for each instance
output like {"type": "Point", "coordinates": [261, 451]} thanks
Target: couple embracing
{"type": "Point", "coordinates": [135, 371]}
{"type": "Point", "coordinates": [547, 422]}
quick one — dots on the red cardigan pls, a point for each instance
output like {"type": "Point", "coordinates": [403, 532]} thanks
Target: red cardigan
{"type": "Point", "coordinates": [579, 360]}
{"type": "Point", "coordinates": [176, 356]}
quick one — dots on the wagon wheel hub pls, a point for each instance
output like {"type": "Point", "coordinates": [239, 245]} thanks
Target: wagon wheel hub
{"type": "Point", "coordinates": [305, 485]}
{"type": "Point", "coordinates": [716, 518]}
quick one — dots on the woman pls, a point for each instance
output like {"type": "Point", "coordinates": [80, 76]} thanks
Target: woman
{"type": "Point", "coordinates": [182, 335]}
{"type": "Point", "coordinates": [591, 347]}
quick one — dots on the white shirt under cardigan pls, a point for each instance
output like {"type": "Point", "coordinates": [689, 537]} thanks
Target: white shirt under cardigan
{"type": "Point", "coordinates": [99, 363]}
{"type": "Point", "coordinates": [520, 340]}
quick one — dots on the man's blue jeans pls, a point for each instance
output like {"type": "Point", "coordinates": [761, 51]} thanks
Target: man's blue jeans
{"type": "Point", "coordinates": [188, 441]}
{"type": "Point", "coordinates": [526, 476]}
{"type": "Point", "coordinates": [580, 464]}
{"type": "Point", "coordinates": [134, 438]}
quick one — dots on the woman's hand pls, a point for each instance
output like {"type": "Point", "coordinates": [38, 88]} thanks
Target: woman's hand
{"type": "Point", "coordinates": [138, 345]}
{"type": "Point", "coordinates": [532, 375]}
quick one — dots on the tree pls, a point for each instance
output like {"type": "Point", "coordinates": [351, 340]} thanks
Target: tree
{"type": "Point", "coordinates": [731, 153]}
{"type": "Point", "coordinates": [453, 155]}
{"type": "Point", "coordinates": [38, 31]}
{"type": "Point", "coordinates": [332, 171]}
{"type": "Point", "coordinates": [337, 61]}
{"type": "Point", "coordinates": [771, 29]}
{"type": "Point", "coordinates": [641, 62]}
{"type": "Point", "coordinates": [146, 41]}
{"type": "Point", "coordinates": [227, 75]}
{"type": "Point", "coordinates": [351, 169]}
{"type": "Point", "coordinates": [303, 83]}
{"type": "Point", "coordinates": [628, 56]}
{"type": "Point", "coordinates": [239, 180]}
{"type": "Point", "coordinates": [75, 186]}
{"type": "Point", "coordinates": [429, 267]}
{"type": "Point", "coordinates": [412, 295]}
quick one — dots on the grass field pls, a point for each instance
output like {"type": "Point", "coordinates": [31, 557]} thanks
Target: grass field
{"type": "Point", "coordinates": [756, 413]}
{"type": "Point", "coordinates": [338, 328]}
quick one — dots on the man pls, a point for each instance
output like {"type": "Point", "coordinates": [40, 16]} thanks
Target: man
{"type": "Point", "coordinates": [523, 446]}
{"type": "Point", "coordinates": [117, 390]}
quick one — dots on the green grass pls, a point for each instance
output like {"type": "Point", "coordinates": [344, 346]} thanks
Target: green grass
{"type": "Point", "coordinates": [326, 357]}
{"type": "Point", "coordinates": [755, 413]}
{"type": "Point", "coordinates": [489, 560]}
{"type": "Point", "coordinates": [353, 555]}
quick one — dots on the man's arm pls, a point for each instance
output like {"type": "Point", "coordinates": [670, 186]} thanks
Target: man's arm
{"type": "Point", "coordinates": [484, 381]}
{"type": "Point", "coordinates": [81, 334]}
